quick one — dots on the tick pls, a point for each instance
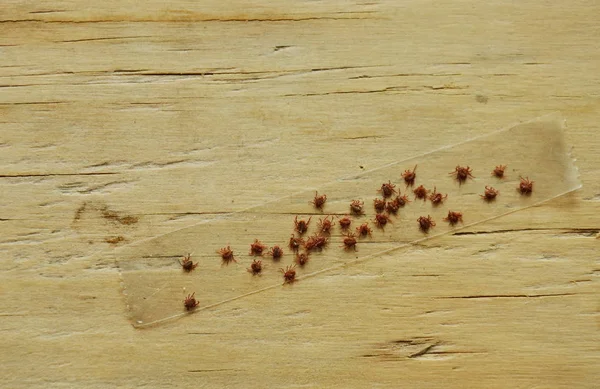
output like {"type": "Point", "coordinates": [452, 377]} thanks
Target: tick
{"type": "Point", "coordinates": [363, 230]}
{"type": "Point", "coordinates": [381, 220]}
{"type": "Point", "coordinates": [499, 171]}
{"type": "Point", "coordinates": [425, 223]}
{"type": "Point", "coordinates": [257, 248]}
{"type": "Point", "coordinates": [349, 242]}
{"type": "Point", "coordinates": [325, 225]}
{"type": "Point", "coordinates": [453, 217]}
{"type": "Point", "coordinates": [489, 194]}
{"type": "Point", "coordinates": [255, 267]}
{"type": "Point", "coordinates": [356, 207]}
{"type": "Point", "coordinates": [436, 197]}
{"type": "Point", "coordinates": [301, 259]}
{"type": "Point", "coordinates": [462, 173]}
{"type": "Point", "coordinates": [187, 265]}
{"type": "Point", "coordinates": [226, 255]}
{"type": "Point", "coordinates": [319, 201]}
{"type": "Point", "coordinates": [289, 274]}
{"type": "Point", "coordinates": [295, 243]}
{"type": "Point", "coordinates": [345, 223]}
{"type": "Point", "coordinates": [301, 225]}
{"type": "Point", "coordinates": [387, 190]}
{"type": "Point", "coordinates": [379, 205]}
{"type": "Point", "coordinates": [315, 242]}
{"type": "Point", "coordinates": [525, 186]}
{"type": "Point", "coordinates": [190, 302]}
{"type": "Point", "coordinates": [276, 252]}
{"type": "Point", "coordinates": [409, 176]}
{"type": "Point", "coordinates": [420, 192]}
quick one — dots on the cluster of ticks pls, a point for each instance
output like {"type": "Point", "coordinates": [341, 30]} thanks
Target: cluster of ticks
{"type": "Point", "coordinates": [390, 204]}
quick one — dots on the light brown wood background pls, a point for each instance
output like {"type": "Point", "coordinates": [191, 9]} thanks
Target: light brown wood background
{"type": "Point", "coordinates": [124, 120]}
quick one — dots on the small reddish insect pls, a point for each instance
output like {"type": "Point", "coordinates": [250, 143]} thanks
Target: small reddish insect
{"type": "Point", "coordinates": [525, 186]}
{"type": "Point", "coordinates": [437, 198]}
{"type": "Point", "coordinates": [345, 223]}
{"type": "Point", "coordinates": [315, 242]}
{"type": "Point", "coordinates": [387, 190]}
{"type": "Point", "coordinates": [356, 207]}
{"type": "Point", "coordinates": [489, 194]}
{"type": "Point", "coordinates": [187, 263]}
{"type": "Point", "coordinates": [379, 205]}
{"type": "Point", "coordinates": [453, 217]}
{"type": "Point", "coordinates": [425, 223]}
{"type": "Point", "coordinates": [401, 201]}
{"type": "Point", "coordinates": [349, 242]}
{"type": "Point", "coordinates": [255, 267]}
{"type": "Point", "coordinates": [257, 248]}
{"type": "Point", "coordinates": [190, 302]}
{"type": "Point", "coordinates": [276, 252]}
{"type": "Point", "coordinates": [289, 274]}
{"type": "Point", "coordinates": [461, 173]}
{"type": "Point", "coordinates": [382, 219]}
{"type": "Point", "coordinates": [301, 259]}
{"type": "Point", "coordinates": [325, 225]}
{"type": "Point", "coordinates": [226, 255]}
{"type": "Point", "coordinates": [409, 176]}
{"type": "Point", "coordinates": [301, 225]}
{"type": "Point", "coordinates": [295, 243]}
{"type": "Point", "coordinates": [499, 171]}
{"type": "Point", "coordinates": [319, 201]}
{"type": "Point", "coordinates": [363, 230]}
{"type": "Point", "coordinates": [392, 207]}
{"type": "Point", "coordinates": [421, 192]}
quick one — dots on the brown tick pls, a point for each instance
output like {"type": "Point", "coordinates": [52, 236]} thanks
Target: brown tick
{"type": "Point", "coordinates": [187, 265]}
{"type": "Point", "coordinates": [489, 194]}
{"type": "Point", "coordinates": [461, 173]}
{"type": "Point", "coordinates": [453, 217]}
{"type": "Point", "coordinates": [319, 201]}
{"type": "Point", "coordinates": [325, 225]}
{"type": "Point", "coordinates": [301, 225]}
{"type": "Point", "coordinates": [315, 242]}
{"type": "Point", "coordinates": [425, 223]}
{"type": "Point", "coordinates": [345, 223]}
{"type": "Point", "coordinates": [525, 186]}
{"type": "Point", "coordinates": [349, 242]}
{"type": "Point", "coordinates": [226, 255]}
{"type": "Point", "coordinates": [356, 207]}
{"type": "Point", "coordinates": [257, 248]}
{"type": "Point", "coordinates": [289, 274]}
{"type": "Point", "coordinates": [381, 220]}
{"type": "Point", "coordinates": [255, 267]}
{"type": "Point", "coordinates": [301, 259]}
{"type": "Point", "coordinates": [409, 176]}
{"type": "Point", "coordinates": [387, 190]}
{"type": "Point", "coordinates": [363, 230]}
{"type": "Point", "coordinates": [295, 243]}
{"type": "Point", "coordinates": [190, 302]}
{"type": "Point", "coordinates": [499, 171]}
{"type": "Point", "coordinates": [276, 252]}
{"type": "Point", "coordinates": [420, 192]}
{"type": "Point", "coordinates": [379, 205]}
{"type": "Point", "coordinates": [436, 197]}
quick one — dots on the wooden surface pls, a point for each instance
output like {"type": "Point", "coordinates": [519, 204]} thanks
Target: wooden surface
{"type": "Point", "coordinates": [121, 121]}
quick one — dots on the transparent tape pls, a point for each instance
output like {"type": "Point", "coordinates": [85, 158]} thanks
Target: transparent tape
{"type": "Point", "coordinates": [155, 284]}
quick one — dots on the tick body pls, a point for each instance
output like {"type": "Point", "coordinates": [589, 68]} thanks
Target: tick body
{"type": "Point", "coordinates": [425, 223]}
{"type": "Point", "coordinates": [462, 173]}
{"type": "Point", "coordinates": [392, 207]}
{"type": "Point", "coordinates": [319, 201]}
{"type": "Point", "coordinates": [356, 207]}
{"type": "Point", "coordinates": [453, 217]}
{"type": "Point", "coordinates": [410, 176]}
{"type": "Point", "coordinates": [187, 265]}
{"type": "Point", "coordinates": [301, 226]}
{"type": "Point", "coordinates": [381, 220]}
{"type": "Point", "coordinates": [255, 267]}
{"type": "Point", "coordinates": [315, 242]}
{"type": "Point", "coordinates": [190, 302]}
{"type": "Point", "coordinates": [325, 225]}
{"type": "Point", "coordinates": [499, 171]}
{"type": "Point", "coordinates": [295, 243]}
{"type": "Point", "coordinates": [276, 252]}
{"type": "Point", "coordinates": [289, 274]}
{"type": "Point", "coordinates": [363, 230]}
{"type": "Point", "coordinates": [489, 194]}
{"type": "Point", "coordinates": [345, 223]}
{"type": "Point", "coordinates": [349, 242]}
{"type": "Point", "coordinates": [387, 190]}
{"type": "Point", "coordinates": [257, 248]}
{"type": "Point", "coordinates": [379, 205]}
{"type": "Point", "coordinates": [437, 198]}
{"type": "Point", "coordinates": [525, 186]}
{"type": "Point", "coordinates": [226, 255]}
{"type": "Point", "coordinates": [301, 259]}
{"type": "Point", "coordinates": [420, 193]}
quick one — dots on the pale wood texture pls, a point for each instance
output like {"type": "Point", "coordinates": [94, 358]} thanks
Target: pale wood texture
{"type": "Point", "coordinates": [132, 119]}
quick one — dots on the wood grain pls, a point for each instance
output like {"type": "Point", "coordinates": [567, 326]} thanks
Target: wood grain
{"type": "Point", "coordinates": [120, 122]}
